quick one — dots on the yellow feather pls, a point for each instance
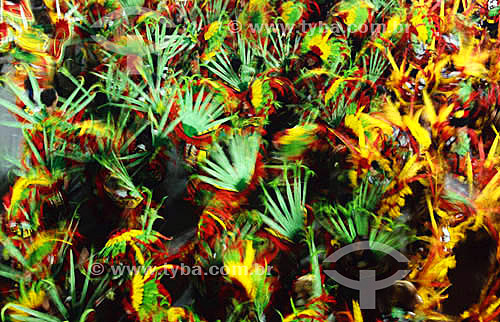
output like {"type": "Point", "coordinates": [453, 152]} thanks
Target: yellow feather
{"type": "Point", "coordinates": [353, 177]}
{"type": "Point", "coordinates": [296, 316]}
{"type": "Point", "coordinates": [393, 25]}
{"type": "Point", "coordinates": [137, 291]}
{"type": "Point", "coordinates": [257, 4]}
{"type": "Point", "coordinates": [444, 113]}
{"type": "Point", "coordinates": [456, 5]}
{"type": "Point", "coordinates": [410, 169]}
{"type": "Point", "coordinates": [257, 94]}
{"type": "Point", "coordinates": [431, 212]}
{"type": "Point", "coordinates": [493, 149]}
{"type": "Point", "coordinates": [374, 122]}
{"type": "Point", "coordinates": [391, 111]}
{"type": "Point", "coordinates": [430, 112]}
{"type": "Point", "coordinates": [24, 182]}
{"type": "Point", "coordinates": [332, 89]}
{"type": "Point", "coordinates": [358, 317]}
{"type": "Point", "coordinates": [138, 253]}
{"type": "Point", "coordinates": [470, 176]}
{"type": "Point", "coordinates": [176, 314]}
{"type": "Point", "coordinates": [489, 194]}
{"type": "Point", "coordinates": [31, 300]}
{"type": "Point", "coordinates": [212, 30]}
{"type": "Point", "coordinates": [276, 234]}
{"type": "Point", "coordinates": [300, 133]}
{"type": "Point", "coordinates": [249, 254]}
{"type": "Point", "coordinates": [421, 134]}
{"type": "Point", "coordinates": [492, 307]}
{"type": "Point", "coordinates": [217, 219]}
{"type": "Point", "coordinates": [126, 237]}
{"type": "Point", "coordinates": [470, 60]}
{"type": "Point", "coordinates": [94, 128]}
{"type": "Point", "coordinates": [321, 41]}
{"type": "Point", "coordinates": [429, 161]}
{"type": "Point", "coordinates": [318, 72]}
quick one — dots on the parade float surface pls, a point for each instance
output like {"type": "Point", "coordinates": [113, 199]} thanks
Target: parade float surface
{"type": "Point", "coordinates": [225, 160]}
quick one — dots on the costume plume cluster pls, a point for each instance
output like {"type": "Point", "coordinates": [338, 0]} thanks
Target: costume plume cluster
{"type": "Point", "coordinates": [200, 160]}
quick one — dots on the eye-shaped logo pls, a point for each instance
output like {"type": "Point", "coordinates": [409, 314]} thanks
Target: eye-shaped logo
{"type": "Point", "coordinates": [367, 285]}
